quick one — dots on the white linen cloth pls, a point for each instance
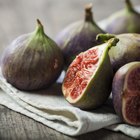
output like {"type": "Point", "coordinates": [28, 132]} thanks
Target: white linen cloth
{"type": "Point", "coordinates": [49, 107]}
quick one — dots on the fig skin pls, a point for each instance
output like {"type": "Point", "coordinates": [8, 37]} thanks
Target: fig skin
{"type": "Point", "coordinates": [124, 21]}
{"type": "Point", "coordinates": [122, 96]}
{"type": "Point", "coordinates": [32, 61]}
{"type": "Point", "coordinates": [126, 50]}
{"type": "Point", "coordinates": [98, 87]}
{"type": "Point", "coordinates": [78, 36]}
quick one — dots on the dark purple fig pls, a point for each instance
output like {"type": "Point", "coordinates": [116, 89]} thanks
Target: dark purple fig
{"type": "Point", "coordinates": [32, 61]}
{"type": "Point", "coordinates": [79, 36]}
{"type": "Point", "coordinates": [126, 50]}
{"type": "Point", "coordinates": [126, 93]}
{"type": "Point", "coordinates": [124, 21]}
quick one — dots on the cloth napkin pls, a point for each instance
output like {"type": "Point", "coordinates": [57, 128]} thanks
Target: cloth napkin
{"type": "Point", "coordinates": [49, 107]}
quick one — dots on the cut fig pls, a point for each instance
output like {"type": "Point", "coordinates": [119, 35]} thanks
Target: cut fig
{"type": "Point", "coordinates": [126, 93]}
{"type": "Point", "coordinates": [88, 80]}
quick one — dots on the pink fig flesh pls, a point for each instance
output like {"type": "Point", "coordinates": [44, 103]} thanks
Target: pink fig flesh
{"type": "Point", "coordinates": [126, 93]}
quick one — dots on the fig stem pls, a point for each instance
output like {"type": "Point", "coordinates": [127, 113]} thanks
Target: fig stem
{"type": "Point", "coordinates": [88, 12]}
{"type": "Point", "coordinates": [89, 16]}
{"type": "Point", "coordinates": [104, 37]}
{"type": "Point", "coordinates": [38, 22]}
{"type": "Point", "coordinates": [112, 42]}
{"type": "Point", "coordinates": [129, 5]}
{"type": "Point", "coordinates": [39, 27]}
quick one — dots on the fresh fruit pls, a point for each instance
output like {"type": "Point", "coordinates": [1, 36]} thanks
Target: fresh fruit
{"type": "Point", "coordinates": [78, 36]}
{"type": "Point", "coordinates": [124, 21]}
{"type": "Point", "coordinates": [88, 80]}
{"type": "Point", "coordinates": [32, 61]}
{"type": "Point", "coordinates": [126, 50]}
{"type": "Point", "coordinates": [126, 93]}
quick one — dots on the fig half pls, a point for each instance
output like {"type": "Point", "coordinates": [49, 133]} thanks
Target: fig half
{"type": "Point", "coordinates": [88, 80]}
{"type": "Point", "coordinates": [126, 93]}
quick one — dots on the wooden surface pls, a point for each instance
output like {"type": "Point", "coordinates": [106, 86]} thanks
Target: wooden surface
{"type": "Point", "coordinates": [14, 126]}
{"type": "Point", "coordinates": [18, 17]}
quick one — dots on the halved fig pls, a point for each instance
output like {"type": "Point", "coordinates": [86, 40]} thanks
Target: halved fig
{"type": "Point", "coordinates": [126, 93]}
{"type": "Point", "coordinates": [88, 80]}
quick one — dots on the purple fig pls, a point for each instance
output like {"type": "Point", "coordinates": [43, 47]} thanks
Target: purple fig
{"type": "Point", "coordinates": [126, 50]}
{"type": "Point", "coordinates": [124, 21]}
{"type": "Point", "coordinates": [32, 61]}
{"type": "Point", "coordinates": [126, 93]}
{"type": "Point", "coordinates": [78, 36]}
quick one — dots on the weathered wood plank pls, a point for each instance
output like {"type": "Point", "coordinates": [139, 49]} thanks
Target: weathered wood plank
{"type": "Point", "coordinates": [15, 126]}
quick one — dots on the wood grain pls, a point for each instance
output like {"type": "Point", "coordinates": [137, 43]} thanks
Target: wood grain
{"type": "Point", "coordinates": [14, 126]}
{"type": "Point", "coordinates": [19, 17]}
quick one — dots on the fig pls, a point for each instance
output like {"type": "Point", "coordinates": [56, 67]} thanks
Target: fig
{"type": "Point", "coordinates": [126, 50]}
{"type": "Point", "coordinates": [32, 61]}
{"type": "Point", "coordinates": [126, 93]}
{"type": "Point", "coordinates": [78, 36]}
{"type": "Point", "coordinates": [88, 80]}
{"type": "Point", "coordinates": [124, 21]}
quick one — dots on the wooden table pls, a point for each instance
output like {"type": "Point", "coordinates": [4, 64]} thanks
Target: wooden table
{"type": "Point", "coordinates": [19, 17]}
{"type": "Point", "coordinates": [14, 126]}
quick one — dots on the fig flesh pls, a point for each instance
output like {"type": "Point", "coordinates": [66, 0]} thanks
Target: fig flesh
{"type": "Point", "coordinates": [32, 61]}
{"type": "Point", "coordinates": [126, 50]}
{"type": "Point", "coordinates": [78, 36]}
{"type": "Point", "coordinates": [126, 93]}
{"type": "Point", "coordinates": [124, 21]}
{"type": "Point", "coordinates": [88, 80]}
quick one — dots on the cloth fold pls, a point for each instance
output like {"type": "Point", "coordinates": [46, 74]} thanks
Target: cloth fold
{"type": "Point", "coordinates": [49, 107]}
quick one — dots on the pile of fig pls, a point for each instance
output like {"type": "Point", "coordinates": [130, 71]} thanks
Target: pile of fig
{"type": "Point", "coordinates": [97, 63]}
{"type": "Point", "coordinates": [32, 61]}
{"type": "Point", "coordinates": [78, 36]}
{"type": "Point", "coordinates": [89, 78]}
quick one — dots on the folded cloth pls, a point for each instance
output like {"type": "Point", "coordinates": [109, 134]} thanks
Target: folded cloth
{"type": "Point", "coordinates": [49, 107]}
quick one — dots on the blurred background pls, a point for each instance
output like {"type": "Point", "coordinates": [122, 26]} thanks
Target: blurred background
{"type": "Point", "coordinates": [19, 16]}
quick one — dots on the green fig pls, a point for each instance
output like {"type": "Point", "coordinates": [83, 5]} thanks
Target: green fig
{"type": "Point", "coordinates": [32, 61]}
{"type": "Point", "coordinates": [88, 80]}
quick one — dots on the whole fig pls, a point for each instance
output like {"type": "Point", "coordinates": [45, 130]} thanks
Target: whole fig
{"type": "Point", "coordinates": [88, 80]}
{"type": "Point", "coordinates": [32, 61]}
{"type": "Point", "coordinates": [78, 36]}
{"type": "Point", "coordinates": [126, 93]}
{"type": "Point", "coordinates": [124, 21]}
{"type": "Point", "coordinates": [126, 50]}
